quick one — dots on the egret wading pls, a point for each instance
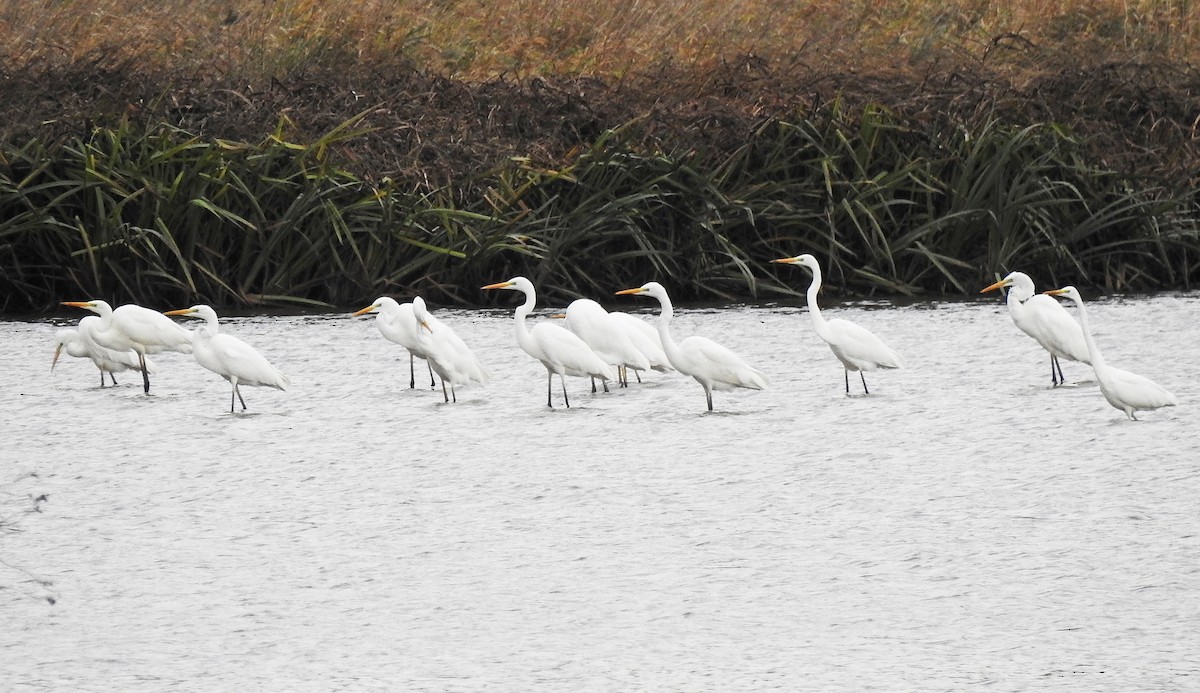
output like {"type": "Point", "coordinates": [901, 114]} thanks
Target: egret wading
{"type": "Point", "coordinates": [855, 346]}
{"type": "Point", "coordinates": [559, 350]}
{"type": "Point", "coordinates": [447, 354]}
{"type": "Point", "coordinates": [230, 357]}
{"type": "Point", "coordinates": [1044, 319]}
{"type": "Point", "coordinates": [1126, 391]}
{"type": "Point", "coordinates": [132, 327]}
{"type": "Point", "coordinates": [80, 343]}
{"type": "Point", "coordinates": [713, 366]}
{"type": "Point", "coordinates": [395, 322]}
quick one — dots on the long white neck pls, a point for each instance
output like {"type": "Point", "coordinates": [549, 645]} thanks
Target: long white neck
{"type": "Point", "coordinates": [814, 310]}
{"type": "Point", "coordinates": [670, 348]}
{"type": "Point", "coordinates": [1093, 350]}
{"type": "Point", "coordinates": [523, 337]}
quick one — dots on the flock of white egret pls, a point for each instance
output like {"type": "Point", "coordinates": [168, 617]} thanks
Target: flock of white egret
{"type": "Point", "coordinates": [594, 343]}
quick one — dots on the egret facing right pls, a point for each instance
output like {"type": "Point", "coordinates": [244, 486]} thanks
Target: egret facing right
{"type": "Point", "coordinates": [230, 357]}
{"type": "Point", "coordinates": [856, 347]}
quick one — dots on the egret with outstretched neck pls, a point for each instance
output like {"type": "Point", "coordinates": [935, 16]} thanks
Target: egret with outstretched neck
{"type": "Point", "coordinates": [558, 349]}
{"type": "Point", "coordinates": [855, 346]}
{"type": "Point", "coordinates": [132, 327]}
{"type": "Point", "coordinates": [230, 357]}
{"type": "Point", "coordinates": [1126, 391]}
{"type": "Point", "coordinates": [1044, 319]}
{"type": "Point", "coordinates": [714, 366]}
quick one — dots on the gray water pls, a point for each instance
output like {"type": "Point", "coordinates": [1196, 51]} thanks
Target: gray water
{"type": "Point", "coordinates": [964, 527]}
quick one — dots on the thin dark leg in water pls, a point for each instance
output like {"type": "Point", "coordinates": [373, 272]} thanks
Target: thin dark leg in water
{"type": "Point", "coordinates": [145, 375]}
{"type": "Point", "coordinates": [593, 384]}
{"type": "Point", "coordinates": [444, 395]}
{"type": "Point", "coordinates": [563, 380]}
{"type": "Point", "coordinates": [453, 394]}
{"type": "Point", "coordinates": [432, 385]}
{"type": "Point", "coordinates": [101, 378]}
{"type": "Point", "coordinates": [412, 372]}
{"type": "Point", "coordinates": [1055, 363]}
{"type": "Point", "coordinates": [238, 390]}
{"type": "Point", "coordinates": [549, 387]}
{"type": "Point", "coordinates": [708, 396]}
{"type": "Point", "coordinates": [847, 374]}
{"type": "Point", "coordinates": [638, 376]}
{"type": "Point", "coordinates": [605, 383]}
{"type": "Point", "coordinates": [232, 394]}
{"type": "Point", "coordinates": [864, 379]}
{"type": "Point", "coordinates": [110, 377]}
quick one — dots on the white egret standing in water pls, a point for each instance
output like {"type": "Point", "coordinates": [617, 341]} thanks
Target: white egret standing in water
{"type": "Point", "coordinates": [78, 342]}
{"type": "Point", "coordinates": [446, 352]}
{"type": "Point", "coordinates": [395, 322]}
{"type": "Point", "coordinates": [855, 346]}
{"type": "Point", "coordinates": [646, 338]}
{"type": "Point", "coordinates": [1044, 319]}
{"type": "Point", "coordinates": [559, 350]}
{"type": "Point", "coordinates": [596, 327]}
{"type": "Point", "coordinates": [133, 327]}
{"type": "Point", "coordinates": [713, 366]}
{"type": "Point", "coordinates": [230, 357]}
{"type": "Point", "coordinates": [1126, 391]}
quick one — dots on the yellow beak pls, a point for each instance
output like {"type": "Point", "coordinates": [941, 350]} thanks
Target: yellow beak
{"type": "Point", "coordinates": [1000, 284]}
{"type": "Point", "coordinates": [499, 285]}
{"type": "Point", "coordinates": [366, 310]}
{"type": "Point", "coordinates": [624, 292]}
{"type": "Point", "coordinates": [181, 311]}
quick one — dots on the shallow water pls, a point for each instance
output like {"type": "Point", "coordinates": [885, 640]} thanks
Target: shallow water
{"type": "Point", "coordinates": [965, 526]}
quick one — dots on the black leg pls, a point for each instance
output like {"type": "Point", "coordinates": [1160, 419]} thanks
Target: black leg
{"type": "Point", "coordinates": [847, 374]}
{"type": "Point", "coordinates": [864, 381]}
{"type": "Point", "coordinates": [145, 375]}
{"type": "Point", "coordinates": [412, 372]}
{"type": "Point", "coordinates": [238, 390]}
{"type": "Point", "coordinates": [110, 377]}
{"type": "Point", "coordinates": [708, 396]}
{"type": "Point", "coordinates": [232, 394]}
{"type": "Point", "coordinates": [432, 385]}
{"type": "Point", "coordinates": [563, 379]}
{"type": "Point", "coordinates": [593, 384]}
{"type": "Point", "coordinates": [638, 376]}
{"type": "Point", "coordinates": [102, 379]}
{"type": "Point", "coordinates": [1054, 364]}
{"type": "Point", "coordinates": [445, 396]}
{"type": "Point", "coordinates": [549, 387]}
{"type": "Point", "coordinates": [453, 394]}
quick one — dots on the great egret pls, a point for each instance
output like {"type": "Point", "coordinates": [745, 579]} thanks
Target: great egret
{"type": "Point", "coordinates": [446, 352]}
{"type": "Point", "coordinates": [78, 342]}
{"type": "Point", "coordinates": [855, 346]}
{"type": "Point", "coordinates": [1126, 391]}
{"type": "Point", "coordinates": [133, 327]}
{"type": "Point", "coordinates": [1044, 319]}
{"type": "Point", "coordinates": [712, 365]}
{"type": "Point", "coordinates": [645, 337]}
{"type": "Point", "coordinates": [230, 357]}
{"type": "Point", "coordinates": [396, 323]}
{"type": "Point", "coordinates": [593, 324]}
{"type": "Point", "coordinates": [559, 350]}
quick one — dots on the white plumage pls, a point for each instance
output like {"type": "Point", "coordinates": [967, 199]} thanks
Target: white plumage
{"type": "Point", "coordinates": [447, 354]}
{"type": "Point", "coordinates": [230, 357]}
{"type": "Point", "coordinates": [396, 324]}
{"type": "Point", "coordinates": [80, 343]}
{"type": "Point", "coordinates": [559, 350]}
{"type": "Point", "coordinates": [1126, 391]}
{"type": "Point", "coordinates": [608, 338]}
{"type": "Point", "coordinates": [855, 346]}
{"type": "Point", "coordinates": [132, 327]}
{"type": "Point", "coordinates": [1044, 319]}
{"type": "Point", "coordinates": [713, 366]}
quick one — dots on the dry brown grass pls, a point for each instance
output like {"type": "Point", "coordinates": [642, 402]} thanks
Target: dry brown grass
{"type": "Point", "coordinates": [478, 39]}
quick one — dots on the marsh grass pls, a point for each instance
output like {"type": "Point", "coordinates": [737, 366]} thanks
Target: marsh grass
{"type": "Point", "coordinates": [165, 217]}
{"type": "Point", "coordinates": [321, 153]}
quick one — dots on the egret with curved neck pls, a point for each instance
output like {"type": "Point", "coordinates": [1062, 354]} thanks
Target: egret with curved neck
{"type": "Point", "coordinates": [132, 327]}
{"type": "Point", "coordinates": [1044, 319]}
{"type": "Point", "coordinates": [1126, 391]}
{"type": "Point", "coordinates": [445, 351]}
{"type": "Point", "coordinates": [709, 363]}
{"type": "Point", "coordinates": [395, 323]}
{"type": "Point", "coordinates": [230, 357]}
{"type": "Point", "coordinates": [855, 346]}
{"type": "Point", "coordinates": [559, 350]}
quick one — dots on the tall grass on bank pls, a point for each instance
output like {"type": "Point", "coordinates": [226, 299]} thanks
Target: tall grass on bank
{"type": "Point", "coordinates": [478, 40]}
{"type": "Point", "coordinates": [162, 217]}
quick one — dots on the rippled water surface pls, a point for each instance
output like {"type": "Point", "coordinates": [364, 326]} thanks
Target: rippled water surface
{"type": "Point", "coordinates": [965, 526]}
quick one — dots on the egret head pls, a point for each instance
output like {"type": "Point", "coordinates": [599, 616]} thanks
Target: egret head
{"type": "Point", "coordinates": [94, 305]}
{"type": "Point", "coordinates": [805, 260]}
{"type": "Point", "coordinates": [514, 284]}
{"type": "Point", "coordinates": [652, 289]}
{"type": "Point", "coordinates": [1068, 291]}
{"type": "Point", "coordinates": [1019, 281]}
